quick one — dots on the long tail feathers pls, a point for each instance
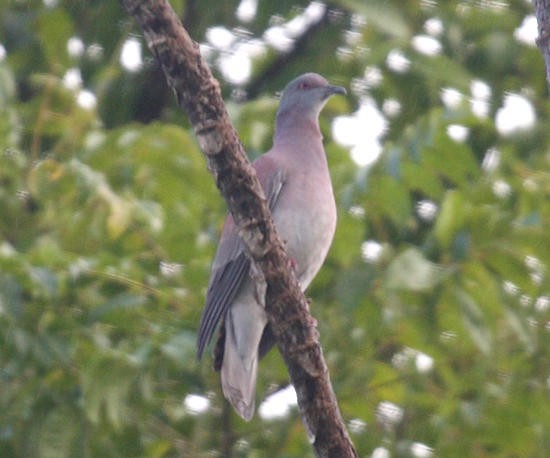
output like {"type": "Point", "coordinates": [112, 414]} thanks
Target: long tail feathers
{"type": "Point", "coordinates": [239, 383]}
{"type": "Point", "coordinates": [244, 326]}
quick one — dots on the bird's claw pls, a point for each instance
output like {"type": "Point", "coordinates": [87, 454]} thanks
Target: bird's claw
{"type": "Point", "coordinates": [292, 263]}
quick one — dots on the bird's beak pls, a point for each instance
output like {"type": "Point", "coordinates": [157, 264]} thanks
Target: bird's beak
{"type": "Point", "coordinates": [331, 90]}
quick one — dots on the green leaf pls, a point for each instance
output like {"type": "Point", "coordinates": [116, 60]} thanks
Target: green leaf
{"type": "Point", "coordinates": [349, 235]}
{"type": "Point", "coordinates": [410, 270]}
{"type": "Point", "coordinates": [180, 347]}
{"type": "Point", "coordinates": [452, 160]}
{"type": "Point", "coordinates": [451, 218]}
{"type": "Point", "coordinates": [387, 18]}
{"type": "Point", "coordinates": [422, 179]}
{"type": "Point", "coordinates": [510, 265]}
{"type": "Point", "coordinates": [105, 383]}
{"type": "Point", "coordinates": [474, 321]}
{"type": "Point", "coordinates": [389, 197]}
{"type": "Point", "coordinates": [58, 433]}
{"type": "Point", "coordinates": [45, 281]}
{"type": "Point", "coordinates": [55, 27]}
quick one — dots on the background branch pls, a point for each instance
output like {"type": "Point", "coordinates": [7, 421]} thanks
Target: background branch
{"type": "Point", "coordinates": [542, 10]}
{"type": "Point", "coordinates": [198, 94]}
{"type": "Point", "coordinates": [282, 59]}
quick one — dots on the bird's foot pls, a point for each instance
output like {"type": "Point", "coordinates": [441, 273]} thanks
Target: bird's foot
{"type": "Point", "coordinates": [312, 321]}
{"type": "Point", "coordinates": [292, 263]}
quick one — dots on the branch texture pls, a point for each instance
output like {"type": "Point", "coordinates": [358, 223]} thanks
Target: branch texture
{"type": "Point", "coordinates": [542, 10]}
{"type": "Point", "coordinates": [199, 95]}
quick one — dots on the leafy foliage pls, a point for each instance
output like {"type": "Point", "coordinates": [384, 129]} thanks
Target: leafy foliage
{"type": "Point", "coordinates": [438, 340]}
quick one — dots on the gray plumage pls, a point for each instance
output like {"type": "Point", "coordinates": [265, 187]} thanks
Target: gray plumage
{"type": "Point", "coordinates": [295, 177]}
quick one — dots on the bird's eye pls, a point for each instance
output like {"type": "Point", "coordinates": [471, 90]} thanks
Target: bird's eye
{"type": "Point", "coordinates": [303, 85]}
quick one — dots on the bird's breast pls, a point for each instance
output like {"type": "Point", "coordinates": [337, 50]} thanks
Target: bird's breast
{"type": "Point", "coordinates": [305, 217]}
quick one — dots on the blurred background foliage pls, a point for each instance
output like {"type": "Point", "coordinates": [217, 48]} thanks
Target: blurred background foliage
{"type": "Point", "coordinates": [434, 303]}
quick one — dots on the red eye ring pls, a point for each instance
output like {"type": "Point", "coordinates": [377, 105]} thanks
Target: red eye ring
{"type": "Point", "coordinates": [303, 85]}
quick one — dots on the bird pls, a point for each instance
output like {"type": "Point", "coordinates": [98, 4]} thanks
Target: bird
{"type": "Point", "coordinates": [295, 177]}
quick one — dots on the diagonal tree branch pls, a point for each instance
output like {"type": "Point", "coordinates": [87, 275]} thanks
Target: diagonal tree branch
{"type": "Point", "coordinates": [199, 95]}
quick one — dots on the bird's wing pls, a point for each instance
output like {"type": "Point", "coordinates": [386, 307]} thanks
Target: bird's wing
{"type": "Point", "coordinates": [231, 264]}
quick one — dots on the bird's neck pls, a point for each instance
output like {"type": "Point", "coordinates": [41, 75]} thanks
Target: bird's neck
{"type": "Point", "coordinates": [297, 131]}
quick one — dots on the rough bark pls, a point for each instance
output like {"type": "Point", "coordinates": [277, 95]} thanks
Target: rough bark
{"type": "Point", "coordinates": [198, 94]}
{"type": "Point", "coordinates": [542, 10]}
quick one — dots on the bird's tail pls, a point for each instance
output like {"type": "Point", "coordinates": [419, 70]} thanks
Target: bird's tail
{"type": "Point", "coordinates": [244, 326]}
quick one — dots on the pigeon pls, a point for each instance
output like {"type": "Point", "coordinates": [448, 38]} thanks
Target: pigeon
{"type": "Point", "coordinates": [295, 178]}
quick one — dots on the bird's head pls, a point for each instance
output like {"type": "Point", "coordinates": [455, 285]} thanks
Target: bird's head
{"type": "Point", "coordinates": [306, 95]}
